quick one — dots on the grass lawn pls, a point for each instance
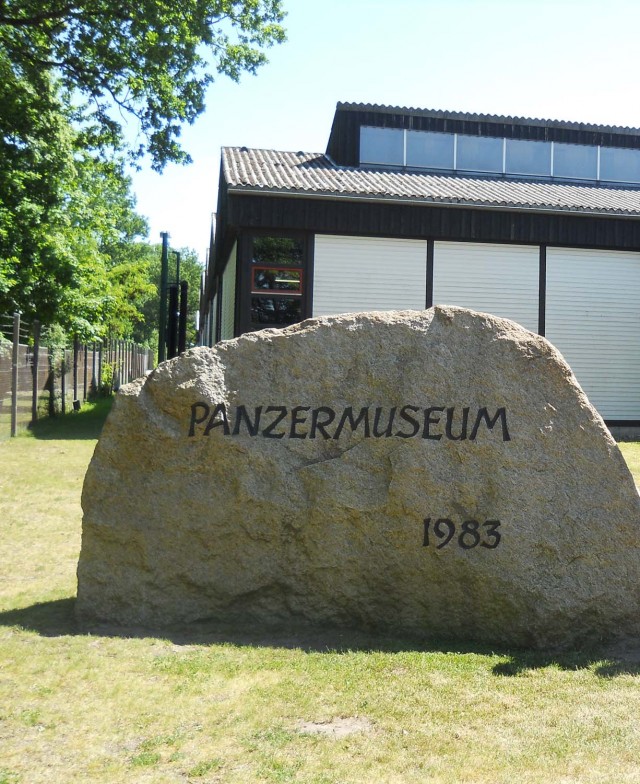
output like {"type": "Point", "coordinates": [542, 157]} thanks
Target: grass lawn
{"type": "Point", "coordinates": [244, 705]}
{"type": "Point", "coordinates": [631, 452]}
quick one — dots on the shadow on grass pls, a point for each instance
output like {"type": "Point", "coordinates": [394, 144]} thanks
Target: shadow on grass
{"type": "Point", "coordinates": [57, 619]}
{"type": "Point", "coordinates": [76, 425]}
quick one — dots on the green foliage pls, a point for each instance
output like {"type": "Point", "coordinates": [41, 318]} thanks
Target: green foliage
{"type": "Point", "coordinates": [146, 330]}
{"type": "Point", "coordinates": [67, 216]}
{"type": "Point", "coordinates": [70, 250]}
{"type": "Point", "coordinates": [150, 60]}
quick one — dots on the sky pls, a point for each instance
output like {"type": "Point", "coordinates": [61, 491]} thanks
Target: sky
{"type": "Point", "coordinates": [575, 60]}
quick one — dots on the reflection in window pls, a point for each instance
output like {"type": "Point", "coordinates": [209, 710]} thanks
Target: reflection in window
{"type": "Point", "coordinates": [277, 251]}
{"type": "Point", "coordinates": [382, 145]}
{"type": "Point", "coordinates": [528, 157]}
{"type": "Point", "coordinates": [619, 165]}
{"type": "Point", "coordinates": [493, 155]}
{"type": "Point", "coordinates": [575, 161]}
{"type": "Point", "coordinates": [277, 279]}
{"type": "Point", "coordinates": [275, 285]}
{"type": "Point", "coordinates": [430, 150]}
{"type": "Point", "coordinates": [278, 311]}
{"type": "Point", "coordinates": [479, 153]}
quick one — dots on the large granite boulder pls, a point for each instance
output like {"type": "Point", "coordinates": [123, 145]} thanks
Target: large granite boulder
{"type": "Point", "coordinates": [438, 472]}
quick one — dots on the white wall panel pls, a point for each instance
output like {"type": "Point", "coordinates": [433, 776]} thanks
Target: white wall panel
{"type": "Point", "coordinates": [228, 296]}
{"type": "Point", "coordinates": [354, 274]}
{"type": "Point", "coordinates": [498, 279]}
{"type": "Point", "coordinates": [593, 318]}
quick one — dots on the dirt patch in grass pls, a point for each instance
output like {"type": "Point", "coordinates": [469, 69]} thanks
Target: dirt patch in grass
{"type": "Point", "coordinates": [336, 728]}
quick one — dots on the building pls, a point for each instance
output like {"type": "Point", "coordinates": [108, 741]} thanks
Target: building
{"type": "Point", "coordinates": [534, 220]}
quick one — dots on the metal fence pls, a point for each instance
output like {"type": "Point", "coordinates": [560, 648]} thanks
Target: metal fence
{"type": "Point", "coordinates": [38, 380]}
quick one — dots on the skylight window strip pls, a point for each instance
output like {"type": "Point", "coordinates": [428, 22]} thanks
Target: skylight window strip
{"type": "Point", "coordinates": [430, 150]}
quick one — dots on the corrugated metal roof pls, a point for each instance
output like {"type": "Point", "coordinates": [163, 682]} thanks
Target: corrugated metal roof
{"type": "Point", "coordinates": [489, 118]}
{"type": "Point", "coordinates": [314, 174]}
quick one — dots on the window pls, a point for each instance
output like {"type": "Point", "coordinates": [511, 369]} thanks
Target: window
{"type": "Point", "coordinates": [430, 150]}
{"type": "Point", "coordinates": [274, 311]}
{"type": "Point", "coordinates": [497, 155]}
{"type": "Point", "coordinates": [382, 145]}
{"type": "Point", "coordinates": [528, 157]}
{"type": "Point", "coordinates": [619, 165]}
{"type": "Point", "coordinates": [274, 291]}
{"type": "Point", "coordinates": [276, 279]}
{"type": "Point", "coordinates": [575, 161]}
{"type": "Point", "coordinates": [479, 154]}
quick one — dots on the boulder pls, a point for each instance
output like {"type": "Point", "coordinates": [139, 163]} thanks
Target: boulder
{"type": "Point", "coordinates": [438, 472]}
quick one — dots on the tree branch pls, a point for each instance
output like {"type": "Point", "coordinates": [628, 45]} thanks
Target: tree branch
{"type": "Point", "coordinates": [36, 19]}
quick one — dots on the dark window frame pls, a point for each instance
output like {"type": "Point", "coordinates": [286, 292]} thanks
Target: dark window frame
{"type": "Point", "coordinates": [244, 283]}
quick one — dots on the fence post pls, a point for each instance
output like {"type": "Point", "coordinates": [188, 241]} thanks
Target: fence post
{"type": "Point", "coordinates": [75, 370]}
{"type": "Point", "coordinates": [93, 369]}
{"type": "Point", "coordinates": [36, 368]}
{"type": "Point", "coordinates": [100, 349]}
{"type": "Point", "coordinates": [182, 317]}
{"type": "Point", "coordinates": [63, 382]}
{"type": "Point", "coordinates": [52, 384]}
{"type": "Point", "coordinates": [85, 359]}
{"type": "Point", "coordinates": [14, 375]}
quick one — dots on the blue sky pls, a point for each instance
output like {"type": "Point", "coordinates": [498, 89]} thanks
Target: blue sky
{"type": "Point", "coordinates": [558, 59]}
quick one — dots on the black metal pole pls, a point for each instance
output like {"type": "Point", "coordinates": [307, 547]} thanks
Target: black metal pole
{"type": "Point", "coordinates": [164, 278]}
{"type": "Point", "coordinates": [177, 266]}
{"type": "Point", "coordinates": [182, 321]}
{"type": "Point", "coordinates": [172, 326]}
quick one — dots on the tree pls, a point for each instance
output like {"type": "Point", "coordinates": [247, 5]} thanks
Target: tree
{"type": "Point", "coordinates": [146, 330]}
{"type": "Point", "coordinates": [36, 164]}
{"type": "Point", "coordinates": [66, 211]}
{"type": "Point", "coordinates": [146, 59]}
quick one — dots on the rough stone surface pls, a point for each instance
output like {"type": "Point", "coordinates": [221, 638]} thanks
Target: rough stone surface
{"type": "Point", "coordinates": [190, 516]}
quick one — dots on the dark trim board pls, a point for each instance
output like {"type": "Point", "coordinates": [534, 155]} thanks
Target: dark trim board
{"type": "Point", "coordinates": [429, 286]}
{"type": "Point", "coordinates": [419, 221]}
{"type": "Point", "coordinates": [542, 291]}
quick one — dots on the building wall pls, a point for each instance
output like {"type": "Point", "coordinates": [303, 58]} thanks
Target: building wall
{"type": "Point", "coordinates": [498, 279]}
{"type": "Point", "coordinates": [587, 299]}
{"type": "Point", "coordinates": [593, 318]}
{"type": "Point", "coordinates": [368, 273]}
{"type": "Point", "coordinates": [229, 296]}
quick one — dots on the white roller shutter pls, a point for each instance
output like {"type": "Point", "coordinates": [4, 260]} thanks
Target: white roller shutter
{"type": "Point", "coordinates": [228, 297]}
{"type": "Point", "coordinates": [498, 279]}
{"type": "Point", "coordinates": [593, 317]}
{"type": "Point", "coordinates": [354, 274]}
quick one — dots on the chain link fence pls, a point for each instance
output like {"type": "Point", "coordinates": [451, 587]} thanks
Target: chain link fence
{"type": "Point", "coordinates": [37, 380]}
